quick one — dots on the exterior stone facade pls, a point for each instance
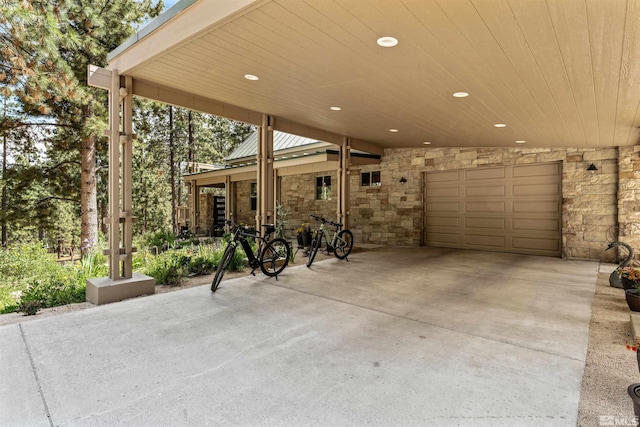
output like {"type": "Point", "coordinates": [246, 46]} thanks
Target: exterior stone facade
{"type": "Point", "coordinates": [298, 198]}
{"type": "Point", "coordinates": [589, 205]}
{"type": "Point", "coordinates": [392, 213]}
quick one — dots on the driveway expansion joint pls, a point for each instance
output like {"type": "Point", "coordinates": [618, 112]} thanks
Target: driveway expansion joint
{"type": "Point", "coordinates": [35, 375]}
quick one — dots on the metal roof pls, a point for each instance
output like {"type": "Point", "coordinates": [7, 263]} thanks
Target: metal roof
{"type": "Point", "coordinates": [281, 141]}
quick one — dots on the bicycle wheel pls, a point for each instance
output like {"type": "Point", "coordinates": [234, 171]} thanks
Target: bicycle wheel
{"type": "Point", "coordinates": [315, 245]}
{"type": "Point", "coordinates": [222, 266]}
{"type": "Point", "coordinates": [344, 244]}
{"type": "Point", "coordinates": [275, 257]}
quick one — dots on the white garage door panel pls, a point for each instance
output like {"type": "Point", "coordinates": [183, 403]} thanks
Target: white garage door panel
{"type": "Point", "coordinates": [509, 209]}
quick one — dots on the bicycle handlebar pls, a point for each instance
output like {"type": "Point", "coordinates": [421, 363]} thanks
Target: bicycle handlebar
{"type": "Point", "coordinates": [242, 229]}
{"type": "Point", "coordinates": [325, 221]}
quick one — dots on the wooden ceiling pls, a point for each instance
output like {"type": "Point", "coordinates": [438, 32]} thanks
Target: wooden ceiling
{"type": "Point", "coordinates": [558, 73]}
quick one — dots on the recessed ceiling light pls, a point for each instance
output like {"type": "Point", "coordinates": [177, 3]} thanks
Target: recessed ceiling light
{"type": "Point", "coordinates": [500, 125]}
{"type": "Point", "coordinates": [460, 94]}
{"type": "Point", "coordinates": [335, 108]}
{"type": "Point", "coordinates": [427, 142]}
{"type": "Point", "coordinates": [251, 77]}
{"type": "Point", "coordinates": [393, 130]}
{"type": "Point", "coordinates": [520, 141]}
{"type": "Point", "coordinates": [387, 41]}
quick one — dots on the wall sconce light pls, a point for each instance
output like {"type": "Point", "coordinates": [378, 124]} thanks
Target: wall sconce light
{"type": "Point", "coordinates": [592, 168]}
{"type": "Point", "coordinates": [403, 180]}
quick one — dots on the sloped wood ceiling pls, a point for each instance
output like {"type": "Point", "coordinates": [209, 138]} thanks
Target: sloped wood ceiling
{"type": "Point", "coordinates": [558, 73]}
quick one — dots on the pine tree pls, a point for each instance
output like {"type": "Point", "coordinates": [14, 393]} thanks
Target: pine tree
{"type": "Point", "coordinates": [45, 48]}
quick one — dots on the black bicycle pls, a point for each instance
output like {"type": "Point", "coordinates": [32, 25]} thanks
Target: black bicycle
{"type": "Point", "coordinates": [340, 243]}
{"type": "Point", "coordinates": [272, 255]}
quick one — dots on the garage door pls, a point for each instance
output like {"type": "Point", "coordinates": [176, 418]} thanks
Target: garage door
{"type": "Point", "coordinates": [513, 209]}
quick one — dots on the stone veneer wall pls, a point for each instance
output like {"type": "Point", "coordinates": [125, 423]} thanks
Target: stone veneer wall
{"type": "Point", "coordinates": [392, 214]}
{"type": "Point", "coordinates": [298, 197]}
{"type": "Point", "coordinates": [629, 196]}
{"type": "Point", "coordinates": [242, 201]}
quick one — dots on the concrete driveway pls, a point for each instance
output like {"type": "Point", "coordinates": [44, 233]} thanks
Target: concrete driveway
{"type": "Point", "coordinates": [395, 337]}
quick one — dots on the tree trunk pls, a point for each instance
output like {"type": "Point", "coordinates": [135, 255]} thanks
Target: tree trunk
{"type": "Point", "coordinates": [88, 194]}
{"type": "Point", "coordinates": [4, 189]}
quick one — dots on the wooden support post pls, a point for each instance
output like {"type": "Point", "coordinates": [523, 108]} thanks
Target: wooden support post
{"type": "Point", "coordinates": [344, 164]}
{"type": "Point", "coordinates": [126, 149]}
{"type": "Point", "coordinates": [114, 176]}
{"type": "Point", "coordinates": [228, 199]}
{"type": "Point", "coordinates": [122, 282]}
{"type": "Point", "coordinates": [266, 205]}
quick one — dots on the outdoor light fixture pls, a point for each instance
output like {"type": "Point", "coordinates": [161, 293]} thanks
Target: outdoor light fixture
{"type": "Point", "coordinates": [592, 168]}
{"type": "Point", "coordinates": [403, 180]}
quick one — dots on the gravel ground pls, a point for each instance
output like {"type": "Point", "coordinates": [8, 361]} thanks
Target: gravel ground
{"type": "Point", "coordinates": [610, 368]}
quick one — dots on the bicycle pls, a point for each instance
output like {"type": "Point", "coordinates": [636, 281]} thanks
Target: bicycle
{"type": "Point", "coordinates": [341, 241]}
{"type": "Point", "coordinates": [272, 255]}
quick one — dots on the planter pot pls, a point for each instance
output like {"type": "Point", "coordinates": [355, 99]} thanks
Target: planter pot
{"type": "Point", "coordinates": [304, 239]}
{"type": "Point", "coordinates": [627, 283]}
{"type": "Point", "coordinates": [634, 393]}
{"type": "Point", "coordinates": [633, 299]}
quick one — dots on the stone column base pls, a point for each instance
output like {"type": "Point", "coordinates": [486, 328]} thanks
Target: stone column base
{"type": "Point", "coordinates": [103, 290]}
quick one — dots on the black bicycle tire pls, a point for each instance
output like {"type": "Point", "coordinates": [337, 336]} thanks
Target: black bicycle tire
{"type": "Point", "coordinates": [222, 267]}
{"type": "Point", "coordinates": [344, 253]}
{"type": "Point", "coordinates": [268, 249]}
{"type": "Point", "coordinates": [314, 249]}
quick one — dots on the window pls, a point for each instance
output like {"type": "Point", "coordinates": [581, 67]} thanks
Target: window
{"type": "Point", "coordinates": [323, 188]}
{"type": "Point", "coordinates": [253, 196]}
{"type": "Point", "coordinates": [370, 179]}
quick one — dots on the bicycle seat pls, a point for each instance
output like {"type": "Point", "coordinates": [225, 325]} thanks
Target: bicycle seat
{"type": "Point", "coordinates": [269, 228]}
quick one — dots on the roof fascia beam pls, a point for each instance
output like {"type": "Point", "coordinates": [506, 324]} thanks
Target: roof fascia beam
{"type": "Point", "coordinates": [367, 147]}
{"type": "Point", "coordinates": [191, 101]}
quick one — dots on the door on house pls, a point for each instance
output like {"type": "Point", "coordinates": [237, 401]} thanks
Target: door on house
{"type": "Point", "coordinates": [218, 211]}
{"type": "Point", "coordinates": [514, 209]}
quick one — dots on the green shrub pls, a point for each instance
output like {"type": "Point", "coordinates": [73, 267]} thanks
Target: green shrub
{"type": "Point", "coordinates": [50, 293]}
{"type": "Point", "coordinates": [162, 239]}
{"type": "Point", "coordinates": [21, 265]}
{"type": "Point", "coordinates": [31, 278]}
{"type": "Point", "coordinates": [93, 264]}
{"type": "Point", "coordinates": [166, 268]}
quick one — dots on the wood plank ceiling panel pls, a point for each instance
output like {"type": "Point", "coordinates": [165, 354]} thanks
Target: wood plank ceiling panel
{"type": "Point", "coordinates": [557, 72]}
{"type": "Point", "coordinates": [630, 79]}
{"type": "Point", "coordinates": [501, 85]}
{"type": "Point", "coordinates": [606, 39]}
{"type": "Point", "coordinates": [530, 88]}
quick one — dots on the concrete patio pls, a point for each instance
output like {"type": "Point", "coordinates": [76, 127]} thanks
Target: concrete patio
{"type": "Point", "coordinates": [409, 336]}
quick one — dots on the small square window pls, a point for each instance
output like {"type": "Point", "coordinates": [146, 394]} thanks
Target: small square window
{"type": "Point", "coordinates": [253, 196]}
{"type": "Point", "coordinates": [323, 188]}
{"type": "Point", "coordinates": [370, 179]}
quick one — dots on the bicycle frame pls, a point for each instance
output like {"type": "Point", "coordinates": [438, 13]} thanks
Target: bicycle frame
{"type": "Point", "coordinates": [272, 255]}
{"type": "Point", "coordinates": [340, 243]}
{"type": "Point", "coordinates": [241, 236]}
{"type": "Point", "coordinates": [324, 233]}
